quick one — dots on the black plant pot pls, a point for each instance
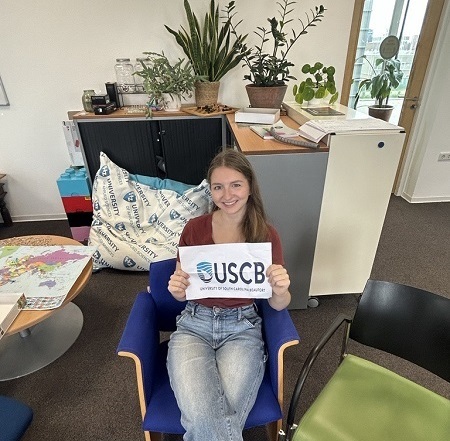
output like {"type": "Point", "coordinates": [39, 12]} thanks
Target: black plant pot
{"type": "Point", "coordinates": [383, 112]}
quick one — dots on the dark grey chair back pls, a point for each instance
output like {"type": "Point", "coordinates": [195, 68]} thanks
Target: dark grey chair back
{"type": "Point", "coordinates": [411, 323]}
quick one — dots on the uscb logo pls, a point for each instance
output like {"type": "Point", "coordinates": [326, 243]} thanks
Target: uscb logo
{"type": "Point", "coordinates": [96, 205]}
{"type": "Point", "coordinates": [204, 271]}
{"type": "Point", "coordinates": [247, 272]}
{"type": "Point", "coordinates": [174, 214]}
{"type": "Point", "coordinates": [120, 226]}
{"type": "Point", "coordinates": [151, 240]}
{"type": "Point", "coordinates": [153, 218]}
{"type": "Point", "coordinates": [128, 262]}
{"type": "Point", "coordinates": [104, 171]}
{"type": "Point", "coordinates": [96, 255]}
{"type": "Point", "coordinates": [130, 197]}
{"type": "Point", "coordinates": [96, 223]}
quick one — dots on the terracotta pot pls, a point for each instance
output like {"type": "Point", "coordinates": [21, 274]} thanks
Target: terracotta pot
{"type": "Point", "coordinates": [383, 112]}
{"type": "Point", "coordinates": [206, 93]}
{"type": "Point", "coordinates": [266, 97]}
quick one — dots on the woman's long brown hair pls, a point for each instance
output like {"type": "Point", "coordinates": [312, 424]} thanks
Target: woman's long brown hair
{"type": "Point", "coordinates": [254, 225]}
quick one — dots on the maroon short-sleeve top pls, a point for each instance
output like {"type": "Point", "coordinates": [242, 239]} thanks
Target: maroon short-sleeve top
{"type": "Point", "coordinates": [198, 231]}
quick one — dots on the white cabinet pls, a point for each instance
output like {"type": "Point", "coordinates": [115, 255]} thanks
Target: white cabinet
{"type": "Point", "coordinates": [358, 184]}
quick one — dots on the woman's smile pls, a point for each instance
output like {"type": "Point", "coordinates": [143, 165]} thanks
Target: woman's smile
{"type": "Point", "coordinates": [230, 190]}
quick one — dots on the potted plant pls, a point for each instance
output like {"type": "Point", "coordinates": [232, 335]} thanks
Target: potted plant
{"type": "Point", "coordinates": [166, 83]}
{"type": "Point", "coordinates": [211, 48]}
{"type": "Point", "coordinates": [268, 61]}
{"type": "Point", "coordinates": [386, 76]}
{"type": "Point", "coordinates": [318, 86]}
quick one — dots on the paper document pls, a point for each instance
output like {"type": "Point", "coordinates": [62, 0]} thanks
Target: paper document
{"type": "Point", "coordinates": [316, 129]}
{"type": "Point", "coordinates": [233, 270]}
{"type": "Point", "coordinates": [280, 129]}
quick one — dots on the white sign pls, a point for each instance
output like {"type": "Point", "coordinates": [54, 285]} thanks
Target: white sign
{"type": "Point", "coordinates": [232, 270]}
{"type": "Point", "coordinates": [389, 47]}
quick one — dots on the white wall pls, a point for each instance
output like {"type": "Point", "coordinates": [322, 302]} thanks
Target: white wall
{"type": "Point", "coordinates": [425, 178]}
{"type": "Point", "coordinates": [51, 51]}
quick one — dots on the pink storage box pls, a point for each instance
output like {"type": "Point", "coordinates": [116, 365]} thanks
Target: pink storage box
{"type": "Point", "coordinates": [80, 233]}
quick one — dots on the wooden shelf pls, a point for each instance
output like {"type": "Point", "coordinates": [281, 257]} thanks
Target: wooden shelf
{"type": "Point", "coordinates": [122, 113]}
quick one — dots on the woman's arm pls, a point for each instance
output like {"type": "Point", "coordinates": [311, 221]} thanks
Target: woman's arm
{"type": "Point", "coordinates": [178, 283]}
{"type": "Point", "coordinates": [279, 281]}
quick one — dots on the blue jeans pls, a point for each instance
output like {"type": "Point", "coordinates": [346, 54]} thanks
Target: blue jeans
{"type": "Point", "coordinates": [216, 363]}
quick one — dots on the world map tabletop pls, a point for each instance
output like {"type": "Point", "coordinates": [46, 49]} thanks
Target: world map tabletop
{"type": "Point", "coordinates": [45, 274]}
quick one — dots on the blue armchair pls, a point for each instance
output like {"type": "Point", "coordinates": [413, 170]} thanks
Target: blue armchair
{"type": "Point", "coordinates": [15, 417]}
{"type": "Point", "coordinates": [156, 312]}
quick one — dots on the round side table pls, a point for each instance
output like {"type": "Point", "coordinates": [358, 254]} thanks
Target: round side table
{"type": "Point", "coordinates": [36, 338]}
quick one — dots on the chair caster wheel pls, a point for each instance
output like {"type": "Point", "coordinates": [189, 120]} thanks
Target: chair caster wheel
{"type": "Point", "coordinates": [313, 302]}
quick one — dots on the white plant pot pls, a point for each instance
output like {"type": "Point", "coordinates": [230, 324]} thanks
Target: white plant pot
{"type": "Point", "coordinates": [316, 102]}
{"type": "Point", "coordinates": [172, 103]}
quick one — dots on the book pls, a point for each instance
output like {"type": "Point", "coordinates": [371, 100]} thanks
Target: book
{"type": "Point", "coordinates": [315, 130]}
{"type": "Point", "coordinates": [257, 115]}
{"type": "Point", "coordinates": [10, 306]}
{"type": "Point", "coordinates": [280, 128]}
{"type": "Point", "coordinates": [311, 132]}
{"type": "Point", "coordinates": [322, 111]}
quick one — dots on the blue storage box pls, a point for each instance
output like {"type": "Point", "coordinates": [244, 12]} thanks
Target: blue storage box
{"type": "Point", "coordinates": [74, 182]}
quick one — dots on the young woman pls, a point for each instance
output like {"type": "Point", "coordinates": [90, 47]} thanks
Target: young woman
{"type": "Point", "coordinates": [216, 356]}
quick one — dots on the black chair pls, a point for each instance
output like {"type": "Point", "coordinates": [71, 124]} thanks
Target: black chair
{"type": "Point", "coordinates": [157, 311]}
{"type": "Point", "coordinates": [364, 401]}
{"type": "Point", "coordinates": [15, 417]}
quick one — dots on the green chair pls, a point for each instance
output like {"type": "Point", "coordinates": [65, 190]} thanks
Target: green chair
{"type": "Point", "coordinates": [364, 401]}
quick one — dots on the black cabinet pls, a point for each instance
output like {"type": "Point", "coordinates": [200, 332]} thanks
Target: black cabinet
{"type": "Point", "coordinates": [132, 145]}
{"type": "Point", "coordinates": [188, 145]}
{"type": "Point", "coordinates": [179, 148]}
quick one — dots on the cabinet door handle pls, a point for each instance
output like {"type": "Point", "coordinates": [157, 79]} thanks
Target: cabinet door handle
{"type": "Point", "coordinates": [415, 102]}
{"type": "Point", "coordinates": [161, 164]}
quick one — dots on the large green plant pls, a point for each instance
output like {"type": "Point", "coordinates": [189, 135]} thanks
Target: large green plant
{"type": "Point", "coordinates": [320, 84]}
{"type": "Point", "coordinates": [160, 76]}
{"type": "Point", "coordinates": [209, 44]}
{"type": "Point", "coordinates": [386, 75]}
{"type": "Point", "coordinates": [270, 67]}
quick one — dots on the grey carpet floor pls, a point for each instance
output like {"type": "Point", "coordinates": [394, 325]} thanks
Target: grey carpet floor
{"type": "Point", "coordinates": [90, 393]}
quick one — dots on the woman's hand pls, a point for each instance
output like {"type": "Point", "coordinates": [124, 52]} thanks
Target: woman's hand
{"type": "Point", "coordinates": [279, 280]}
{"type": "Point", "coordinates": [178, 283]}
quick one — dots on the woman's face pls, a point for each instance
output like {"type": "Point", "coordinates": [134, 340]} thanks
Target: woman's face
{"type": "Point", "coordinates": [230, 190]}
